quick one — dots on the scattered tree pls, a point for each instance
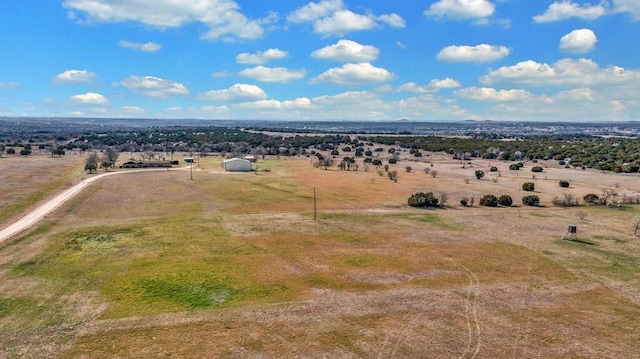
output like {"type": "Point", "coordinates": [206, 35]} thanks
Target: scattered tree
{"type": "Point", "coordinates": [408, 169]}
{"type": "Point", "coordinates": [489, 200]}
{"type": "Point", "coordinates": [493, 169]}
{"type": "Point", "coordinates": [537, 169]}
{"type": "Point", "coordinates": [505, 200]}
{"type": "Point", "coordinates": [568, 200]}
{"type": "Point", "coordinates": [91, 162]}
{"type": "Point", "coordinates": [111, 156]}
{"type": "Point", "coordinates": [591, 198]}
{"type": "Point", "coordinates": [393, 175]}
{"type": "Point", "coordinates": [422, 199]}
{"type": "Point", "coordinates": [479, 174]}
{"type": "Point", "coordinates": [564, 183]}
{"type": "Point", "coordinates": [434, 174]}
{"type": "Point", "coordinates": [607, 195]}
{"type": "Point", "coordinates": [529, 186]}
{"type": "Point", "coordinates": [11, 151]}
{"type": "Point", "coordinates": [531, 200]}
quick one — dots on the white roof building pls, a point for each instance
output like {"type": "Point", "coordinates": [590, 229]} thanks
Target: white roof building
{"type": "Point", "coordinates": [236, 165]}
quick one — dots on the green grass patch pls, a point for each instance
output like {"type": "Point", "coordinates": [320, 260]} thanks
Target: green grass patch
{"type": "Point", "coordinates": [430, 218]}
{"type": "Point", "coordinates": [184, 292]}
{"type": "Point", "coordinates": [28, 312]}
{"type": "Point", "coordinates": [602, 262]}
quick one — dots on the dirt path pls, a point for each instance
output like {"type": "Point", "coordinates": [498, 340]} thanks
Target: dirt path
{"type": "Point", "coordinates": [35, 216]}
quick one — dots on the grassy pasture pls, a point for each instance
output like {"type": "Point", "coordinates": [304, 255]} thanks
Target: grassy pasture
{"type": "Point", "coordinates": [27, 180]}
{"type": "Point", "coordinates": [233, 265]}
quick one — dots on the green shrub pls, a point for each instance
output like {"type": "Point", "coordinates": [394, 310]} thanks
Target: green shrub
{"type": "Point", "coordinates": [422, 199]}
{"type": "Point", "coordinates": [493, 169]}
{"type": "Point", "coordinates": [531, 200]}
{"type": "Point", "coordinates": [564, 183]}
{"type": "Point", "coordinates": [529, 186]}
{"type": "Point", "coordinates": [515, 166]}
{"type": "Point", "coordinates": [505, 200]}
{"type": "Point", "coordinates": [479, 174]}
{"type": "Point", "coordinates": [537, 169]}
{"type": "Point", "coordinates": [489, 200]}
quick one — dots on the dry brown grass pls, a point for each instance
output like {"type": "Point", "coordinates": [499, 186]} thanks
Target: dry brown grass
{"type": "Point", "coordinates": [369, 278]}
{"type": "Point", "coordinates": [27, 180]}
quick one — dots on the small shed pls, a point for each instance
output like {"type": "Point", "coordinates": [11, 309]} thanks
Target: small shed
{"type": "Point", "coordinates": [236, 165]}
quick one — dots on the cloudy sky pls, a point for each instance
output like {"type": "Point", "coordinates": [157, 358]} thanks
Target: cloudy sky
{"type": "Point", "coordinates": [427, 60]}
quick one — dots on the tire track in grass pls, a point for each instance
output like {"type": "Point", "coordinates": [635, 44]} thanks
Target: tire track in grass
{"type": "Point", "coordinates": [471, 313]}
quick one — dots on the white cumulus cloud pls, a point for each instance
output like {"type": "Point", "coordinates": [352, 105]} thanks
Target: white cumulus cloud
{"type": "Point", "coordinates": [478, 53]}
{"type": "Point", "coordinates": [237, 92]}
{"type": "Point", "coordinates": [354, 74]}
{"type": "Point", "coordinates": [90, 98]}
{"type": "Point", "coordinates": [153, 86]}
{"type": "Point", "coordinates": [393, 20]}
{"type": "Point", "coordinates": [221, 17]}
{"type": "Point", "coordinates": [632, 7]}
{"type": "Point", "coordinates": [579, 94]}
{"type": "Point", "coordinates": [566, 72]}
{"type": "Point", "coordinates": [273, 74]}
{"type": "Point", "coordinates": [298, 103]}
{"type": "Point", "coordinates": [331, 17]}
{"type": "Point", "coordinates": [433, 86]}
{"type": "Point", "coordinates": [565, 9]}
{"type": "Point", "coordinates": [8, 85]}
{"type": "Point", "coordinates": [491, 94]}
{"type": "Point", "coordinates": [578, 41]}
{"type": "Point", "coordinates": [347, 51]}
{"type": "Point", "coordinates": [146, 47]}
{"type": "Point", "coordinates": [461, 9]}
{"type": "Point", "coordinates": [261, 57]}
{"type": "Point", "coordinates": [74, 77]}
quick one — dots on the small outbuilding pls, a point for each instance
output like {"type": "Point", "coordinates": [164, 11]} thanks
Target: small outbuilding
{"type": "Point", "coordinates": [236, 165]}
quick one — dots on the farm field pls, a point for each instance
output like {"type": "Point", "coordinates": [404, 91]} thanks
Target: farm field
{"type": "Point", "coordinates": [150, 264]}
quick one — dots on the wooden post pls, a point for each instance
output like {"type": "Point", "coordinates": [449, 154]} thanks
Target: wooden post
{"type": "Point", "coordinates": [314, 204]}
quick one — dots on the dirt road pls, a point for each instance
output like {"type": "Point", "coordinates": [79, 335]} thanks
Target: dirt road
{"type": "Point", "coordinates": [39, 213]}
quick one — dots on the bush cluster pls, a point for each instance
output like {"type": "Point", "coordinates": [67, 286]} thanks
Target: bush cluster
{"type": "Point", "coordinates": [422, 199]}
{"type": "Point", "coordinates": [516, 166]}
{"type": "Point", "coordinates": [531, 200]}
{"type": "Point", "coordinates": [567, 200]}
{"type": "Point", "coordinates": [591, 198]}
{"type": "Point", "coordinates": [489, 200]}
{"type": "Point", "coordinates": [505, 200]}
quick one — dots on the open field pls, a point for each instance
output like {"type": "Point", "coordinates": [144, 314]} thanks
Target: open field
{"type": "Point", "coordinates": [153, 264]}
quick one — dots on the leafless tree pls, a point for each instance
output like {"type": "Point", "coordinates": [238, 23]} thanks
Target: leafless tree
{"type": "Point", "coordinates": [111, 156]}
{"type": "Point", "coordinates": [607, 195]}
{"type": "Point", "coordinates": [636, 224]}
{"type": "Point", "coordinates": [91, 162]}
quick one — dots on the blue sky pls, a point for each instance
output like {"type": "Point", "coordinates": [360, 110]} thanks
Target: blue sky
{"type": "Point", "coordinates": [430, 60]}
